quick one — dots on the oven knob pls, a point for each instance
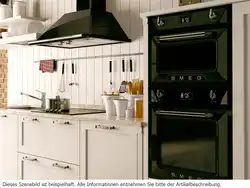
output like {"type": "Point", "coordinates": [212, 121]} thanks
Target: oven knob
{"type": "Point", "coordinates": [198, 178]}
{"type": "Point", "coordinates": [160, 22]}
{"type": "Point", "coordinates": [181, 176]}
{"type": "Point", "coordinates": [159, 94]}
{"type": "Point", "coordinates": [212, 14]}
{"type": "Point", "coordinates": [173, 175]}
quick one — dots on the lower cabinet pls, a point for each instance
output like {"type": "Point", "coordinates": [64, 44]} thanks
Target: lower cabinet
{"type": "Point", "coordinates": [110, 151]}
{"type": "Point", "coordinates": [8, 146]}
{"type": "Point", "coordinates": [38, 168]}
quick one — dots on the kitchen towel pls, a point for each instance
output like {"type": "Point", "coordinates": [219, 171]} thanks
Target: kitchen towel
{"type": "Point", "coordinates": [47, 66]}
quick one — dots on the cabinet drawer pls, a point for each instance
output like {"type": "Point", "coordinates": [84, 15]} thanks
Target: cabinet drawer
{"type": "Point", "coordinates": [38, 168]}
{"type": "Point", "coordinates": [56, 139]}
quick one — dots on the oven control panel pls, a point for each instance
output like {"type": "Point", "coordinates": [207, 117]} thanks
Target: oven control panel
{"type": "Point", "coordinates": [200, 17]}
{"type": "Point", "coordinates": [174, 175]}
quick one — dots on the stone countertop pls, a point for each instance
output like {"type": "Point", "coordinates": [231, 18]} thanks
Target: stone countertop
{"type": "Point", "coordinates": [102, 118]}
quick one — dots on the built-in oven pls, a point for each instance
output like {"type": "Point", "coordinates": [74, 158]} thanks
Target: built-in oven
{"type": "Point", "coordinates": [190, 94]}
{"type": "Point", "coordinates": [190, 144]}
{"type": "Point", "coordinates": [192, 46]}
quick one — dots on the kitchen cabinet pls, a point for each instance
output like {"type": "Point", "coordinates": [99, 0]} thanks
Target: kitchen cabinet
{"type": "Point", "coordinates": [51, 138]}
{"type": "Point", "coordinates": [110, 151]}
{"type": "Point", "coordinates": [8, 146]}
{"type": "Point", "coordinates": [38, 168]}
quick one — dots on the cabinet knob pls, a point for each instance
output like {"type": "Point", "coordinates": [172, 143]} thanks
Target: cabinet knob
{"type": "Point", "coordinates": [4, 116]}
{"type": "Point", "coordinates": [66, 122]}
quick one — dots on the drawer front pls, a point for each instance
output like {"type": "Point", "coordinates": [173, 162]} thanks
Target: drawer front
{"type": "Point", "coordinates": [38, 168]}
{"type": "Point", "coordinates": [56, 139]}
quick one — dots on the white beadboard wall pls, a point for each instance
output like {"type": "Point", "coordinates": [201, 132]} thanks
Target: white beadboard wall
{"type": "Point", "coordinates": [91, 75]}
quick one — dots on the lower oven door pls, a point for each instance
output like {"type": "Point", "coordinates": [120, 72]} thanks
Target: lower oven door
{"type": "Point", "coordinates": [190, 145]}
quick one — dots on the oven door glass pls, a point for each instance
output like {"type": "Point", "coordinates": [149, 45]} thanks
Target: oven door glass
{"type": "Point", "coordinates": [187, 143]}
{"type": "Point", "coordinates": [198, 51]}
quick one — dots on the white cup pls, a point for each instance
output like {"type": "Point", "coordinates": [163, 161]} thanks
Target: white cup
{"type": "Point", "coordinates": [121, 105]}
{"type": "Point", "coordinates": [129, 113]}
{"type": "Point", "coordinates": [110, 109]}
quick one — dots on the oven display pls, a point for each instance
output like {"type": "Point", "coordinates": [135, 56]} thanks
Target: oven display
{"type": "Point", "coordinates": [185, 19]}
{"type": "Point", "coordinates": [186, 96]}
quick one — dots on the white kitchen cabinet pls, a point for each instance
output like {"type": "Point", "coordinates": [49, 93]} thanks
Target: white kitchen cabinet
{"type": "Point", "coordinates": [8, 146]}
{"type": "Point", "coordinates": [38, 168]}
{"type": "Point", "coordinates": [52, 138]}
{"type": "Point", "coordinates": [110, 151]}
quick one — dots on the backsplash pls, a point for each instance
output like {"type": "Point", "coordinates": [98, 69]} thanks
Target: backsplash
{"type": "Point", "coordinates": [92, 74]}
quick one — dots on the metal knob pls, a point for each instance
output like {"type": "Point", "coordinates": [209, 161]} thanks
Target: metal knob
{"type": "Point", "coordinates": [181, 176]}
{"type": "Point", "coordinates": [29, 159]}
{"type": "Point", "coordinates": [60, 166]}
{"type": "Point", "coordinates": [66, 123]}
{"type": "Point", "coordinates": [160, 22]}
{"type": "Point", "coordinates": [4, 116]}
{"type": "Point", "coordinates": [35, 119]}
{"type": "Point", "coordinates": [212, 14]}
{"type": "Point", "coordinates": [173, 174]}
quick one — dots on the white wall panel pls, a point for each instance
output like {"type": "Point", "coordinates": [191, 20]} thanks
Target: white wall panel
{"type": "Point", "coordinates": [92, 75]}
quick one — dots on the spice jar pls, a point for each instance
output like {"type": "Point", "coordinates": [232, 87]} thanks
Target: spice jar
{"type": "Point", "coordinates": [138, 108]}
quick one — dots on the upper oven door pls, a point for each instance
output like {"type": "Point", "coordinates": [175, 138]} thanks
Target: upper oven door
{"type": "Point", "coordinates": [198, 53]}
{"type": "Point", "coordinates": [190, 144]}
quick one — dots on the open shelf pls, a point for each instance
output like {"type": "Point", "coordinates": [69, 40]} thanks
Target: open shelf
{"type": "Point", "coordinates": [21, 40]}
{"type": "Point", "coordinates": [17, 20]}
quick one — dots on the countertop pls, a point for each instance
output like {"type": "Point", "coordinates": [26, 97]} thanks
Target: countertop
{"type": "Point", "coordinates": [103, 118]}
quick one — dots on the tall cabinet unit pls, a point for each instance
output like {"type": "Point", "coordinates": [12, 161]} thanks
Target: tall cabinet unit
{"type": "Point", "coordinates": [8, 146]}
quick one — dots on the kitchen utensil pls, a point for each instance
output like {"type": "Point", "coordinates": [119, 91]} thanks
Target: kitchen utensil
{"type": "Point", "coordinates": [5, 12]}
{"type": "Point", "coordinates": [130, 69]}
{"type": "Point", "coordinates": [19, 8]}
{"type": "Point", "coordinates": [73, 75]}
{"type": "Point", "coordinates": [110, 76]}
{"type": "Point", "coordinates": [64, 105]}
{"type": "Point", "coordinates": [121, 106]}
{"type": "Point", "coordinates": [62, 81]}
{"type": "Point", "coordinates": [123, 87]}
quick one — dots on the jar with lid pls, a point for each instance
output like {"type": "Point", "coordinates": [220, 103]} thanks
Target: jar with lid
{"type": "Point", "coordinates": [19, 8]}
{"type": "Point", "coordinates": [138, 108]}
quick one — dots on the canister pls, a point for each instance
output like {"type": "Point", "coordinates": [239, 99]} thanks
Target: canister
{"type": "Point", "coordinates": [138, 108]}
{"type": "Point", "coordinates": [19, 8]}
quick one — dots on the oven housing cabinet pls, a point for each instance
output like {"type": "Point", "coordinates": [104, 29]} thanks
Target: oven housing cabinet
{"type": "Point", "coordinates": [167, 79]}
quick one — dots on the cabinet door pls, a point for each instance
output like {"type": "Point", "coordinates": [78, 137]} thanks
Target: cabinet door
{"type": "Point", "coordinates": [52, 138]}
{"type": "Point", "coordinates": [110, 152]}
{"type": "Point", "coordinates": [8, 147]}
{"type": "Point", "coordinates": [241, 90]}
{"type": "Point", "coordinates": [38, 168]}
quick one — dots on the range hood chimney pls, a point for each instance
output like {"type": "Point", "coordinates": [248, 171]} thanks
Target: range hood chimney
{"type": "Point", "coordinates": [90, 25]}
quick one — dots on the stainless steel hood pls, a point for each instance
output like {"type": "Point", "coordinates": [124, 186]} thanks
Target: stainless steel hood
{"type": "Point", "coordinates": [90, 25]}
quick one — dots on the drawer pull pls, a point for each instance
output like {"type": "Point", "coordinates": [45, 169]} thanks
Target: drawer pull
{"type": "Point", "coordinates": [4, 116]}
{"type": "Point", "coordinates": [105, 127]}
{"type": "Point", "coordinates": [29, 159]}
{"type": "Point", "coordinates": [60, 166]}
{"type": "Point", "coordinates": [65, 123]}
{"type": "Point", "coordinates": [35, 119]}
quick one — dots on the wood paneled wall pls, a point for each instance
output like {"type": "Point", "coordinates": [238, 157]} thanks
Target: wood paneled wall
{"type": "Point", "coordinates": [91, 74]}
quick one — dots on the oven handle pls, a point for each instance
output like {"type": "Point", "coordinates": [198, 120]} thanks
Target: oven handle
{"type": "Point", "coordinates": [184, 114]}
{"type": "Point", "coordinates": [184, 36]}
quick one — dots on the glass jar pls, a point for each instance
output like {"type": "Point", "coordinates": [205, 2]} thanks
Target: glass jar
{"type": "Point", "coordinates": [138, 108]}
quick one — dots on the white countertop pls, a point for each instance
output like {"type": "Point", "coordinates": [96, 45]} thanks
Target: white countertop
{"type": "Point", "coordinates": [103, 118]}
{"type": "Point", "coordinates": [190, 7]}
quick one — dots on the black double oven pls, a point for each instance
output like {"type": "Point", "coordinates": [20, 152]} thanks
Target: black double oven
{"type": "Point", "coordinates": [190, 94]}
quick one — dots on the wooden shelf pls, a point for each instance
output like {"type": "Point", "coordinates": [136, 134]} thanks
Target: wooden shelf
{"type": "Point", "coordinates": [17, 20]}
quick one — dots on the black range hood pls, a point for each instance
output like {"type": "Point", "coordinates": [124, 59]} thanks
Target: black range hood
{"type": "Point", "coordinates": [90, 25]}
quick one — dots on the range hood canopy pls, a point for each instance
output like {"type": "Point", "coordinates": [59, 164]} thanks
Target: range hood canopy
{"type": "Point", "coordinates": [90, 25]}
